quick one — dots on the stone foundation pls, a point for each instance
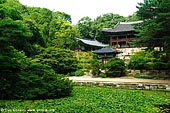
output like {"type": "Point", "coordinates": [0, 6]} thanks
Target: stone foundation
{"type": "Point", "coordinates": [138, 86]}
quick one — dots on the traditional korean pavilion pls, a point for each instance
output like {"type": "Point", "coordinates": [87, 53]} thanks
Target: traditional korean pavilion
{"type": "Point", "coordinates": [106, 53]}
{"type": "Point", "coordinates": [90, 44]}
{"type": "Point", "coordinates": [122, 34]}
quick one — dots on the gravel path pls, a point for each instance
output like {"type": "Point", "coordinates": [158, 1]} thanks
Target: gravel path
{"type": "Point", "coordinates": [118, 80]}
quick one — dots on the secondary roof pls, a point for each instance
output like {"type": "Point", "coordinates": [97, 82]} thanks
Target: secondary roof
{"type": "Point", "coordinates": [106, 50]}
{"type": "Point", "coordinates": [92, 42]}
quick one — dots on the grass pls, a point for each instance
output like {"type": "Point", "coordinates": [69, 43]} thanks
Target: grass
{"type": "Point", "coordinates": [94, 100]}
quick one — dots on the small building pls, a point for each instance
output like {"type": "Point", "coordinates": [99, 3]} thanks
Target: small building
{"type": "Point", "coordinates": [122, 34]}
{"type": "Point", "coordinates": [90, 44]}
{"type": "Point", "coordinates": [106, 53]}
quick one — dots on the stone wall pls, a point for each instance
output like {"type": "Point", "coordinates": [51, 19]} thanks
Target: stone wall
{"type": "Point", "coordinates": [127, 52]}
{"type": "Point", "coordinates": [165, 74]}
{"type": "Point", "coordinates": [137, 86]}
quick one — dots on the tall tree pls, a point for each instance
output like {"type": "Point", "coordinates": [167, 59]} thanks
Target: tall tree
{"type": "Point", "coordinates": [63, 34]}
{"type": "Point", "coordinates": [84, 27]}
{"type": "Point", "coordinates": [154, 31]}
{"type": "Point", "coordinates": [89, 28]}
{"type": "Point", "coordinates": [108, 20]}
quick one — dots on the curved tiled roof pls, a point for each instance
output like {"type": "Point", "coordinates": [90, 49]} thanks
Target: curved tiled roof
{"type": "Point", "coordinates": [92, 42]}
{"type": "Point", "coordinates": [122, 27]}
{"type": "Point", "coordinates": [106, 50]}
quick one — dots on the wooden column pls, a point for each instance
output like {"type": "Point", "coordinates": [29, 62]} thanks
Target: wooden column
{"type": "Point", "coordinates": [110, 41]}
{"type": "Point", "coordinates": [127, 42]}
{"type": "Point", "coordinates": [117, 44]}
{"type": "Point", "coordinates": [103, 60]}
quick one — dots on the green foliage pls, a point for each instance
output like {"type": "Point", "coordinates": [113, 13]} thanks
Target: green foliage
{"type": "Point", "coordinates": [96, 100]}
{"type": "Point", "coordinates": [61, 15]}
{"type": "Point", "coordinates": [53, 27]}
{"type": "Point", "coordinates": [64, 35]}
{"type": "Point", "coordinates": [17, 35]}
{"type": "Point", "coordinates": [132, 18]}
{"type": "Point", "coordinates": [95, 65]}
{"type": "Point", "coordinates": [23, 79]}
{"type": "Point", "coordinates": [2, 1]}
{"type": "Point", "coordinates": [138, 61]}
{"type": "Point", "coordinates": [77, 73]}
{"type": "Point", "coordinates": [84, 27]}
{"type": "Point", "coordinates": [154, 31]}
{"type": "Point", "coordinates": [115, 67]}
{"type": "Point", "coordinates": [149, 60]}
{"type": "Point", "coordinates": [103, 75]}
{"type": "Point", "coordinates": [144, 76]}
{"type": "Point", "coordinates": [7, 12]}
{"type": "Point", "coordinates": [108, 20]}
{"type": "Point", "coordinates": [84, 59]}
{"type": "Point", "coordinates": [63, 61]}
{"type": "Point", "coordinates": [88, 28]}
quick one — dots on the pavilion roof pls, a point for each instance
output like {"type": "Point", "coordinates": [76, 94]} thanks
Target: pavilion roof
{"type": "Point", "coordinates": [92, 42]}
{"type": "Point", "coordinates": [106, 50]}
{"type": "Point", "coordinates": [122, 27]}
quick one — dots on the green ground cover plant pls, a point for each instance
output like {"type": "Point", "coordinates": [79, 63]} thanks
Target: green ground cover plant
{"type": "Point", "coordinates": [144, 76]}
{"type": "Point", "coordinates": [95, 100]}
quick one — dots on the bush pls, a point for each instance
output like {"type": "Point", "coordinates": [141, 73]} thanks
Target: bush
{"type": "Point", "coordinates": [146, 60]}
{"type": "Point", "coordinates": [84, 59]}
{"type": "Point", "coordinates": [95, 65]}
{"type": "Point", "coordinates": [62, 61]}
{"type": "Point", "coordinates": [144, 76]}
{"type": "Point", "coordinates": [103, 75]}
{"type": "Point", "coordinates": [138, 61]}
{"type": "Point", "coordinates": [23, 79]}
{"type": "Point", "coordinates": [77, 73]}
{"type": "Point", "coordinates": [115, 67]}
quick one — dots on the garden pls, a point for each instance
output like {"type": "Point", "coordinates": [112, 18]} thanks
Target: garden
{"type": "Point", "coordinates": [95, 100]}
{"type": "Point", "coordinates": [38, 54]}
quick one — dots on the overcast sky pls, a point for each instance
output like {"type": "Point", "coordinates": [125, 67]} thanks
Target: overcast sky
{"type": "Point", "coordinates": [81, 8]}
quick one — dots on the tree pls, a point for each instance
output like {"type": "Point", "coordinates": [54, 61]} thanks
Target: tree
{"type": "Point", "coordinates": [84, 27]}
{"type": "Point", "coordinates": [21, 77]}
{"type": "Point", "coordinates": [7, 12]}
{"type": "Point", "coordinates": [61, 15]}
{"type": "Point", "coordinates": [108, 20]}
{"type": "Point", "coordinates": [92, 29]}
{"type": "Point", "coordinates": [154, 31]}
{"type": "Point", "coordinates": [64, 34]}
{"type": "Point", "coordinates": [132, 17]}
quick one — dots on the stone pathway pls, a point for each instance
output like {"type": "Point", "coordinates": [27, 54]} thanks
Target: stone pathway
{"type": "Point", "coordinates": [118, 80]}
{"type": "Point", "coordinates": [130, 83]}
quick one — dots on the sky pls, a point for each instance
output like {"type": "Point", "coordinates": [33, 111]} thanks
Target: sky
{"type": "Point", "coordinates": [91, 8]}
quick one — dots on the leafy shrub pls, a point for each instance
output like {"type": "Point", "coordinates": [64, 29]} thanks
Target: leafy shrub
{"type": "Point", "coordinates": [103, 75]}
{"type": "Point", "coordinates": [115, 67]}
{"type": "Point", "coordinates": [144, 76]}
{"type": "Point", "coordinates": [138, 61]}
{"type": "Point", "coordinates": [84, 59]}
{"type": "Point", "coordinates": [95, 65]}
{"type": "Point", "coordinates": [149, 60]}
{"type": "Point", "coordinates": [62, 61]}
{"type": "Point", "coordinates": [23, 79]}
{"type": "Point", "coordinates": [77, 73]}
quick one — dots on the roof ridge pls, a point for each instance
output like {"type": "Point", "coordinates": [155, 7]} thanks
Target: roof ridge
{"type": "Point", "coordinates": [134, 22]}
